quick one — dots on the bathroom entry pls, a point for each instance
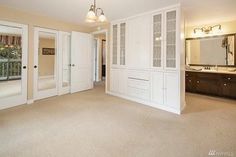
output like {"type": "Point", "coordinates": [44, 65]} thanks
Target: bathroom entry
{"type": "Point", "coordinates": [100, 47]}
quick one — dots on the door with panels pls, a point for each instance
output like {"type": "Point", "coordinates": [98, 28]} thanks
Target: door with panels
{"type": "Point", "coordinates": [64, 60]}
{"type": "Point", "coordinates": [81, 62]}
{"type": "Point", "coordinates": [13, 64]}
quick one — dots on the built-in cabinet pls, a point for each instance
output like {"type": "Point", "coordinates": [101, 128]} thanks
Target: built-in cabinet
{"type": "Point", "coordinates": [152, 57]}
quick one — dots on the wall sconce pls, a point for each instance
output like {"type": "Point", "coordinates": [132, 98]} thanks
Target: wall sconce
{"type": "Point", "coordinates": [207, 29]}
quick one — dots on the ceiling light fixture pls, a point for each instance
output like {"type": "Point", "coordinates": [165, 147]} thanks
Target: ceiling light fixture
{"type": "Point", "coordinates": [207, 29]}
{"type": "Point", "coordinates": [94, 15]}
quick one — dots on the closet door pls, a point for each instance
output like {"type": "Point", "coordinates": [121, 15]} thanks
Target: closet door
{"type": "Point", "coordinates": [45, 63]}
{"type": "Point", "coordinates": [81, 62]}
{"type": "Point", "coordinates": [170, 35]}
{"type": "Point", "coordinates": [13, 64]}
{"type": "Point", "coordinates": [157, 41]}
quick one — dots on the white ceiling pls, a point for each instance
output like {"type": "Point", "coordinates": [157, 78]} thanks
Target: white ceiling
{"type": "Point", "coordinates": [74, 11]}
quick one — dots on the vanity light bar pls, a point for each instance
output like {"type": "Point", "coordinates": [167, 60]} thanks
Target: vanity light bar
{"type": "Point", "coordinates": [207, 29]}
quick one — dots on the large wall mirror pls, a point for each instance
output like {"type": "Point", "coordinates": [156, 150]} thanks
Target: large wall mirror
{"type": "Point", "coordinates": [216, 50]}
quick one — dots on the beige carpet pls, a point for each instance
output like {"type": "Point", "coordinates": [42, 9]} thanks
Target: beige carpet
{"type": "Point", "coordinates": [92, 124]}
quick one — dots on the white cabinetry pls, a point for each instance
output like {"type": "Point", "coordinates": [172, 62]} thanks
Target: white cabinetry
{"type": "Point", "coordinates": [118, 46]}
{"type": "Point", "coordinates": [138, 45]}
{"type": "Point", "coordinates": [171, 90]}
{"type": "Point", "coordinates": [157, 89]}
{"type": "Point", "coordinates": [139, 84]}
{"type": "Point", "coordinates": [153, 54]}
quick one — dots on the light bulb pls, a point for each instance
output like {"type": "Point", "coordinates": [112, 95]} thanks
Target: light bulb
{"type": "Point", "coordinates": [91, 16]}
{"type": "Point", "coordinates": [102, 18]}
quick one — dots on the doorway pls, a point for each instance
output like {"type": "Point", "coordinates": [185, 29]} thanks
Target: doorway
{"type": "Point", "coordinates": [100, 58]}
{"type": "Point", "coordinates": [13, 64]}
{"type": "Point", "coordinates": [45, 63]}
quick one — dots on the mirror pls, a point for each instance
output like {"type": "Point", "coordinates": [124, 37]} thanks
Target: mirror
{"type": "Point", "coordinates": [217, 50]}
{"type": "Point", "coordinates": [46, 61]}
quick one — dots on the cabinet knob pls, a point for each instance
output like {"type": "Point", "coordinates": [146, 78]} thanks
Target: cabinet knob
{"type": "Point", "coordinates": [229, 78]}
{"type": "Point", "coordinates": [198, 81]}
{"type": "Point", "coordinates": [190, 80]}
{"type": "Point", "coordinates": [225, 84]}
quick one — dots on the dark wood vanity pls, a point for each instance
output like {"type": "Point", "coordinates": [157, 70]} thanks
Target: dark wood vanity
{"type": "Point", "coordinates": [215, 84]}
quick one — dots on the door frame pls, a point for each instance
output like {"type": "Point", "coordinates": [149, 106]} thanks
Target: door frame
{"type": "Point", "coordinates": [106, 33]}
{"type": "Point", "coordinates": [12, 101]}
{"type": "Point", "coordinates": [96, 59]}
{"type": "Point", "coordinates": [50, 92]}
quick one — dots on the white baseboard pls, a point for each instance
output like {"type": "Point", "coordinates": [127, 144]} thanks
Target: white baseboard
{"type": "Point", "coordinates": [148, 103]}
{"type": "Point", "coordinates": [30, 101]}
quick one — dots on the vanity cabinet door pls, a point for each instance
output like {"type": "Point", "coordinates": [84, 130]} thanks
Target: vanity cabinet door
{"type": "Point", "coordinates": [189, 82]}
{"type": "Point", "coordinates": [207, 84]}
{"type": "Point", "coordinates": [228, 86]}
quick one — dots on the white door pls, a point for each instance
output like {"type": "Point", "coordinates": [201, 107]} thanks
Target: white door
{"type": "Point", "coordinates": [13, 64]}
{"type": "Point", "coordinates": [157, 88]}
{"type": "Point", "coordinates": [45, 63]}
{"type": "Point", "coordinates": [172, 92]}
{"type": "Point", "coordinates": [65, 62]}
{"type": "Point", "coordinates": [81, 62]}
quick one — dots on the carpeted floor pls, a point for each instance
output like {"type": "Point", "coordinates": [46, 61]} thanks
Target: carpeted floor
{"type": "Point", "coordinates": [92, 124]}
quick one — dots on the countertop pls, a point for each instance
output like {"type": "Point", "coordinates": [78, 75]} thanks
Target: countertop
{"type": "Point", "coordinates": [212, 71]}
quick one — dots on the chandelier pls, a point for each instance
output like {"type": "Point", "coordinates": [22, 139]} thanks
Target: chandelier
{"type": "Point", "coordinates": [95, 14]}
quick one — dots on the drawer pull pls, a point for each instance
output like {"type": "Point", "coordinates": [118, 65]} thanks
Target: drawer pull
{"type": "Point", "coordinates": [132, 78]}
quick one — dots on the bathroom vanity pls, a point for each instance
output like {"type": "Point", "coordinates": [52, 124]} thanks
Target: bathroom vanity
{"type": "Point", "coordinates": [211, 66]}
{"type": "Point", "coordinates": [221, 84]}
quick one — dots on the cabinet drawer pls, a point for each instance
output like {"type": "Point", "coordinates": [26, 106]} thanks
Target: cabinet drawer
{"type": "Point", "coordinates": [138, 93]}
{"type": "Point", "coordinates": [137, 83]}
{"type": "Point", "coordinates": [229, 78]}
{"type": "Point", "coordinates": [139, 75]}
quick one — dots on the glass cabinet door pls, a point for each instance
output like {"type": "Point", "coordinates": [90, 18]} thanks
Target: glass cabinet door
{"type": "Point", "coordinates": [157, 41]}
{"type": "Point", "coordinates": [171, 39]}
{"type": "Point", "coordinates": [122, 43]}
{"type": "Point", "coordinates": [114, 44]}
